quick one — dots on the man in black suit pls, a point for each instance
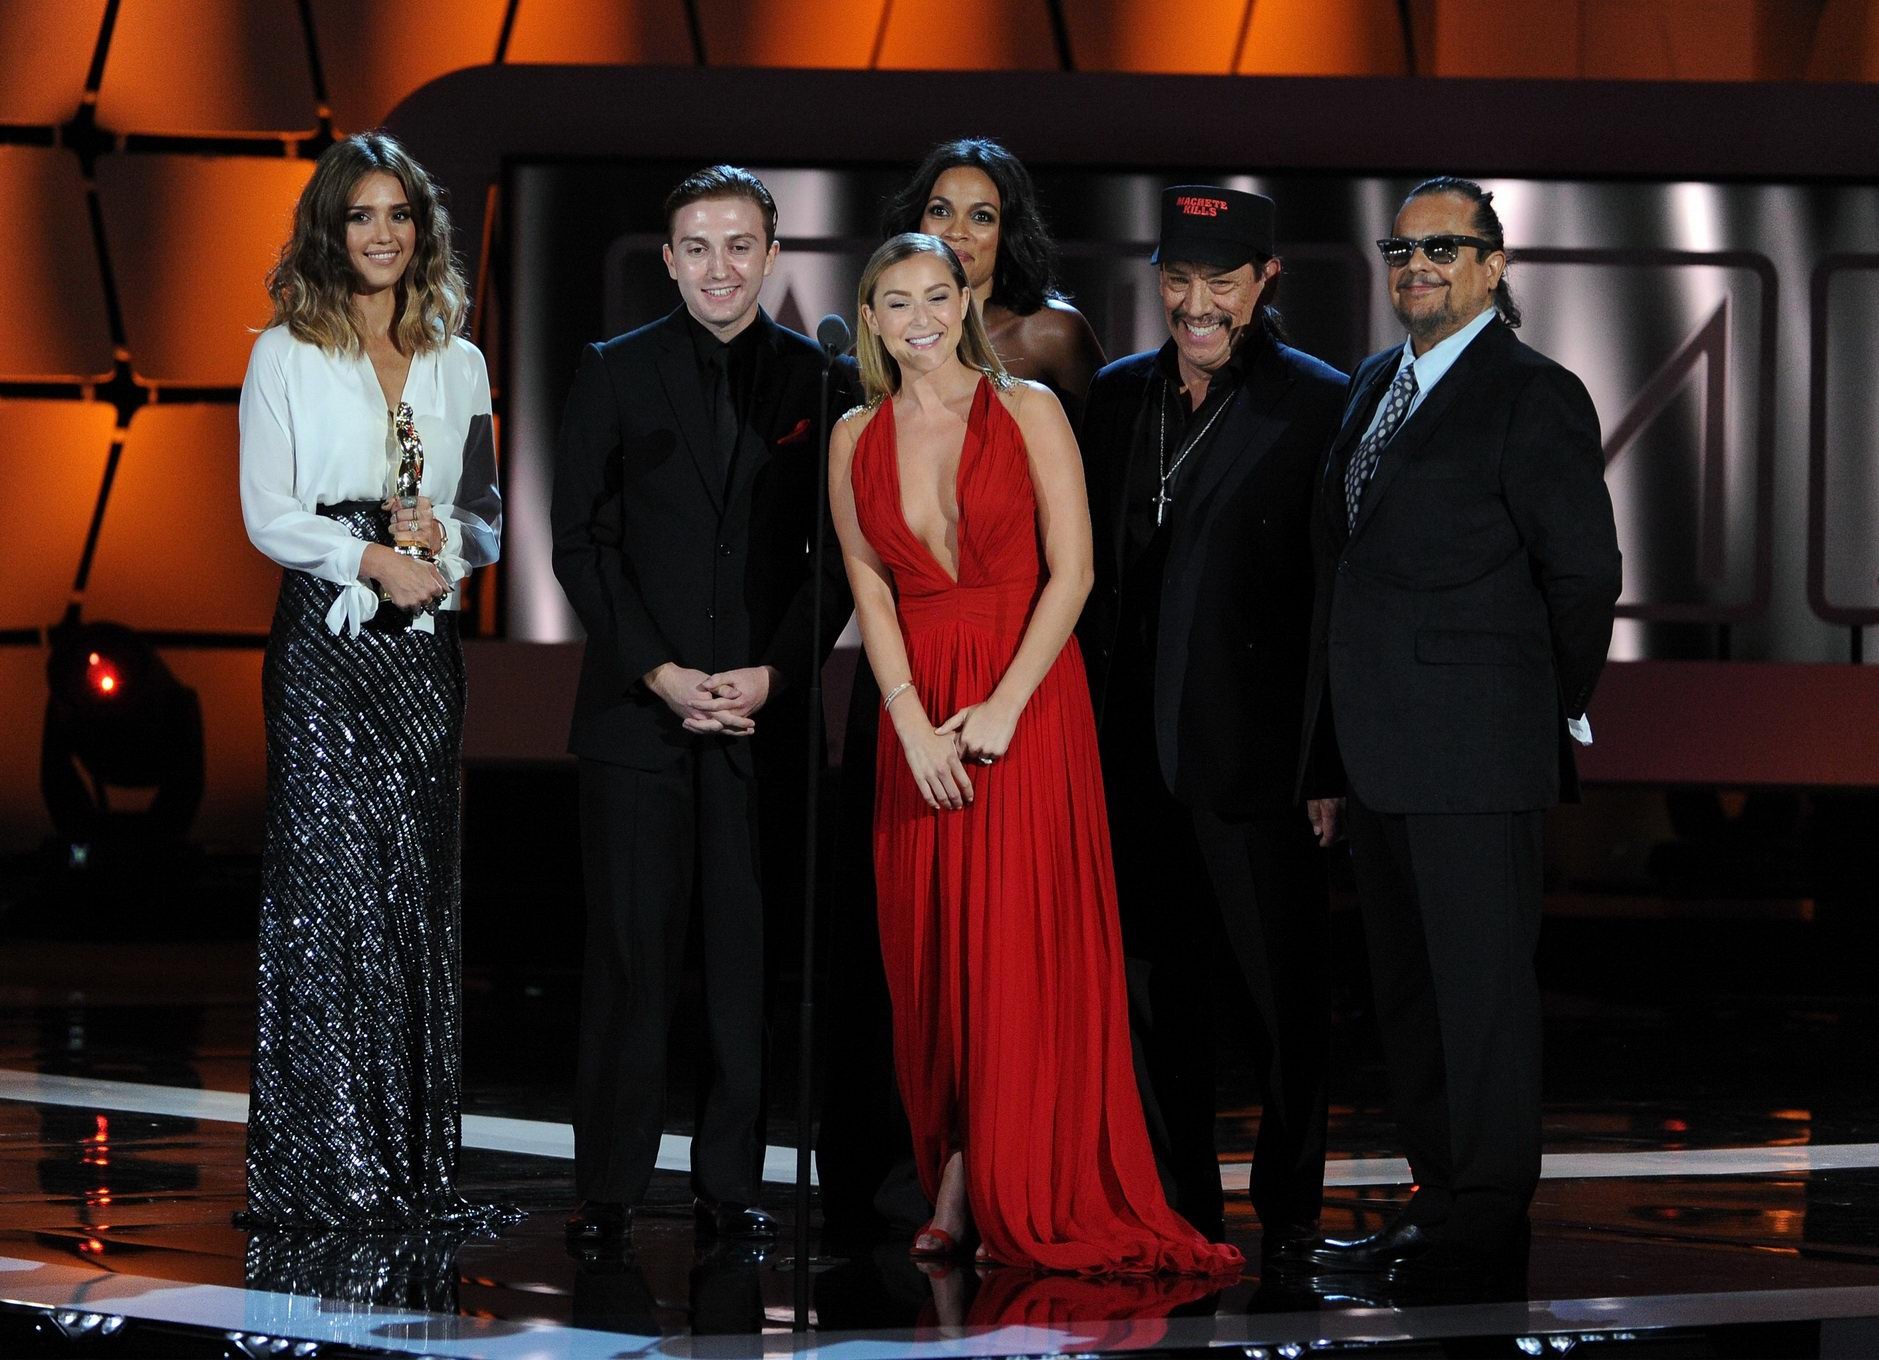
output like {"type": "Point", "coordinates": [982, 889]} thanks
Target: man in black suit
{"type": "Point", "coordinates": [684, 500]}
{"type": "Point", "coordinates": [1467, 571]}
{"type": "Point", "coordinates": [1200, 461]}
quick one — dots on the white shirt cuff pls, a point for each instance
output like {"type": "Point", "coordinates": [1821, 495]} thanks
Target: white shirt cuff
{"type": "Point", "coordinates": [357, 602]}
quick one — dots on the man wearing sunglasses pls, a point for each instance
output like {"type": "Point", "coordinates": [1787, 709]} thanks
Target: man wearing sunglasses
{"type": "Point", "coordinates": [1467, 571]}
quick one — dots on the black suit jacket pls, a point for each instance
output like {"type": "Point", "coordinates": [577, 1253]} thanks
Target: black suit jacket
{"type": "Point", "coordinates": [1469, 610]}
{"type": "Point", "coordinates": [665, 562]}
{"type": "Point", "coordinates": [1236, 591]}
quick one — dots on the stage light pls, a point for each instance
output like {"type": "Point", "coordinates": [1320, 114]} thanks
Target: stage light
{"type": "Point", "coordinates": [101, 675]}
{"type": "Point", "coordinates": [66, 1326]}
{"type": "Point", "coordinates": [117, 719]}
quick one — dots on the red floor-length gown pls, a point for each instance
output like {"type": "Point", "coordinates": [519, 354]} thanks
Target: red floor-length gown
{"type": "Point", "coordinates": [998, 922]}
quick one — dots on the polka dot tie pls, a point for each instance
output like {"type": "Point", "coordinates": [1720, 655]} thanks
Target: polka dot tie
{"type": "Point", "coordinates": [1364, 461]}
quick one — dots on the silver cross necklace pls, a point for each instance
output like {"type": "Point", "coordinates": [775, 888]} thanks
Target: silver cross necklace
{"type": "Point", "coordinates": [1162, 499]}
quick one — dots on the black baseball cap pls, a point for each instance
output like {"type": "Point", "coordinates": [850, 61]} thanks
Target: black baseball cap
{"type": "Point", "coordinates": [1209, 225]}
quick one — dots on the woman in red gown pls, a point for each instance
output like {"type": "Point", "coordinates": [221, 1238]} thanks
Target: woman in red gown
{"type": "Point", "coordinates": [958, 498]}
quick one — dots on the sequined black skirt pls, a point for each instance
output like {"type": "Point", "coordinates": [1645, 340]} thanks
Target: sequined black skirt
{"type": "Point", "coordinates": [356, 1087]}
{"type": "Point", "coordinates": [375, 1271]}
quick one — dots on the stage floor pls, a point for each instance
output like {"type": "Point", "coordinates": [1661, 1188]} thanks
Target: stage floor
{"type": "Point", "coordinates": [1711, 1188]}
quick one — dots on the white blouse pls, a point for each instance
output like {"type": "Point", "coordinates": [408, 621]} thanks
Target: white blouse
{"type": "Point", "coordinates": [315, 431]}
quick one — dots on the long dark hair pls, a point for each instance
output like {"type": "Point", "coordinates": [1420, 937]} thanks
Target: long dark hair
{"type": "Point", "coordinates": [1025, 276]}
{"type": "Point", "coordinates": [312, 283]}
{"type": "Point", "coordinates": [1487, 225]}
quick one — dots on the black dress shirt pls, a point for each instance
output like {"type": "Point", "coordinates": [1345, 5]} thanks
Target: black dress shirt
{"type": "Point", "coordinates": [739, 361]}
{"type": "Point", "coordinates": [1166, 422]}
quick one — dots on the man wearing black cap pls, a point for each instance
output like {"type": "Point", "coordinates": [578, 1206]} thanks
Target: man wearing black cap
{"type": "Point", "coordinates": [1200, 459]}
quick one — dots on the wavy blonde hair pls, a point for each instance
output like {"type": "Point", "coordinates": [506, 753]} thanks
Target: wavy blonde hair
{"type": "Point", "coordinates": [312, 283]}
{"type": "Point", "coordinates": [880, 374]}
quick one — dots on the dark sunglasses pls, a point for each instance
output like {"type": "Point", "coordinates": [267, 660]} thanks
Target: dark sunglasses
{"type": "Point", "coordinates": [1397, 250]}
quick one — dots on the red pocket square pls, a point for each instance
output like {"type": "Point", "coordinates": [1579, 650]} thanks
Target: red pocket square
{"type": "Point", "coordinates": [796, 435]}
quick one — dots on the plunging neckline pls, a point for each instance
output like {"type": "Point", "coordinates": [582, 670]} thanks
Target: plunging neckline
{"type": "Point", "coordinates": [378, 388]}
{"type": "Point", "coordinates": [959, 507]}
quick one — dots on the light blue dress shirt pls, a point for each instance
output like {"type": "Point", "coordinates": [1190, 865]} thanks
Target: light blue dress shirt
{"type": "Point", "coordinates": [1432, 367]}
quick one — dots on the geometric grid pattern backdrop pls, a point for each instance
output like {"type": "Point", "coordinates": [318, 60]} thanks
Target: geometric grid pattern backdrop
{"type": "Point", "coordinates": [150, 150]}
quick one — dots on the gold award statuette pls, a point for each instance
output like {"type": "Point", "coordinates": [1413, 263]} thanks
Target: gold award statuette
{"type": "Point", "coordinates": [410, 473]}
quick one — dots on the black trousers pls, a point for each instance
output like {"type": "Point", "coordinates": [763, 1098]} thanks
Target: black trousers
{"type": "Point", "coordinates": [1268, 880]}
{"type": "Point", "coordinates": [1185, 880]}
{"type": "Point", "coordinates": [649, 840]}
{"type": "Point", "coordinates": [1451, 908]}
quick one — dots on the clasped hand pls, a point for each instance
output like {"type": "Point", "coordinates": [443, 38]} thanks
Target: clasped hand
{"type": "Point", "coordinates": [408, 582]}
{"type": "Point", "coordinates": [937, 757]}
{"type": "Point", "coordinates": [725, 702]}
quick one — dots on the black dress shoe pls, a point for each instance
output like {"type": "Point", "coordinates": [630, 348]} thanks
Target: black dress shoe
{"type": "Point", "coordinates": [599, 1220]}
{"type": "Point", "coordinates": [1288, 1243]}
{"type": "Point", "coordinates": [1379, 1251]}
{"type": "Point", "coordinates": [738, 1221]}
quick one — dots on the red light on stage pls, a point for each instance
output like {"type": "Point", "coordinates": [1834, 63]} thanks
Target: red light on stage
{"type": "Point", "coordinates": [101, 675]}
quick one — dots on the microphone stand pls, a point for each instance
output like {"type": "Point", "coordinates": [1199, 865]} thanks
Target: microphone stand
{"type": "Point", "coordinates": [832, 334]}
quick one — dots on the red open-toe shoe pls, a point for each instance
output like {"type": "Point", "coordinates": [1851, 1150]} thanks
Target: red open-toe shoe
{"type": "Point", "coordinates": [946, 1250]}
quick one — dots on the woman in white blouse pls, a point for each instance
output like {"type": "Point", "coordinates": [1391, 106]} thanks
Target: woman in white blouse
{"type": "Point", "coordinates": [356, 1084]}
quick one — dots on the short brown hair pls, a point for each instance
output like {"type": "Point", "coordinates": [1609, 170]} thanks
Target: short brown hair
{"type": "Point", "coordinates": [721, 181]}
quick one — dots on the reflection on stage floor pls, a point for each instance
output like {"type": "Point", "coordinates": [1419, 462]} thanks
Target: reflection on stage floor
{"type": "Point", "coordinates": [1684, 1211]}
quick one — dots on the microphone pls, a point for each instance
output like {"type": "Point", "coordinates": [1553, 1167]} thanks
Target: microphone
{"type": "Point", "coordinates": [833, 335]}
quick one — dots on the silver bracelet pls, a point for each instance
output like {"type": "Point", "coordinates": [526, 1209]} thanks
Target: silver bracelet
{"type": "Point", "coordinates": [887, 700]}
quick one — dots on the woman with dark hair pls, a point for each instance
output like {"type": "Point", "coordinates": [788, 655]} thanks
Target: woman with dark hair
{"type": "Point", "coordinates": [368, 473]}
{"type": "Point", "coordinates": [957, 495]}
{"type": "Point", "coordinates": [978, 198]}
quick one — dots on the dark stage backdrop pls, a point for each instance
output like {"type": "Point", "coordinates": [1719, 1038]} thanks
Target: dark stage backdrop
{"type": "Point", "coordinates": [1725, 331]}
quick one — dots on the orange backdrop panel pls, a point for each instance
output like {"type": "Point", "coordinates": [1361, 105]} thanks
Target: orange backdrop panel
{"type": "Point", "coordinates": [45, 55]}
{"type": "Point", "coordinates": [23, 819]}
{"type": "Point", "coordinates": [832, 33]}
{"type": "Point", "coordinates": [1189, 37]}
{"type": "Point", "coordinates": [1324, 38]}
{"type": "Point", "coordinates": [208, 68]}
{"type": "Point", "coordinates": [172, 553]}
{"type": "Point", "coordinates": [601, 32]}
{"type": "Point", "coordinates": [191, 240]}
{"type": "Point", "coordinates": [52, 458]}
{"type": "Point", "coordinates": [375, 52]}
{"type": "Point", "coordinates": [57, 328]}
{"type": "Point", "coordinates": [1534, 39]}
{"type": "Point", "coordinates": [969, 35]}
{"type": "Point", "coordinates": [234, 743]}
{"type": "Point", "coordinates": [1846, 42]}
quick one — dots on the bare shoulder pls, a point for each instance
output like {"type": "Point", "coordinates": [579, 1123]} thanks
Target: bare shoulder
{"type": "Point", "coordinates": [1058, 320]}
{"type": "Point", "coordinates": [847, 431]}
{"type": "Point", "coordinates": [1025, 398]}
{"type": "Point", "coordinates": [856, 419]}
{"type": "Point", "coordinates": [1039, 414]}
